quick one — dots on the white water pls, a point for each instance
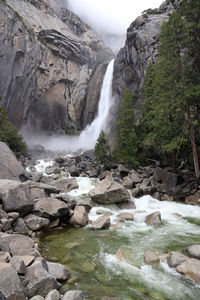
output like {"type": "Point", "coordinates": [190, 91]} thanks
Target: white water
{"type": "Point", "coordinates": [87, 139]}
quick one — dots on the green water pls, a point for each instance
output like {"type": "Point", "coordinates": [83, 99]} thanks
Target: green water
{"type": "Point", "coordinates": [91, 255]}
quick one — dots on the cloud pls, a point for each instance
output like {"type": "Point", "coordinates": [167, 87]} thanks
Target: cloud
{"type": "Point", "coordinates": [111, 16]}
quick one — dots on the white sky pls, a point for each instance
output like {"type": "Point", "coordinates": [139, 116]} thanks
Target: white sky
{"type": "Point", "coordinates": [112, 16]}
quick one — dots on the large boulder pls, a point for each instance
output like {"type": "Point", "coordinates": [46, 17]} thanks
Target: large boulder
{"type": "Point", "coordinates": [164, 181]}
{"type": "Point", "coordinates": [190, 268]}
{"type": "Point", "coordinates": [50, 208]}
{"type": "Point", "coordinates": [151, 257]}
{"type": "Point", "coordinates": [102, 222]}
{"type": "Point", "coordinates": [108, 191]}
{"type": "Point", "coordinates": [10, 167]}
{"type": "Point", "coordinates": [40, 282]}
{"type": "Point", "coordinates": [66, 185]}
{"type": "Point", "coordinates": [193, 251]}
{"type": "Point", "coordinates": [35, 223]}
{"type": "Point", "coordinates": [80, 216]}
{"type": "Point", "coordinates": [58, 271]}
{"type": "Point", "coordinates": [15, 196]}
{"type": "Point", "coordinates": [153, 219]}
{"type": "Point", "coordinates": [10, 284]}
{"type": "Point", "coordinates": [74, 295]}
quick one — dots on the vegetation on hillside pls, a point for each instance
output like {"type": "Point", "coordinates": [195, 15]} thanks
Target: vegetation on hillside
{"type": "Point", "coordinates": [9, 134]}
{"type": "Point", "coordinates": [170, 113]}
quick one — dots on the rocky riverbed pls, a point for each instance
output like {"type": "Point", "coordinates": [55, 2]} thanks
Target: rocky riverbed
{"type": "Point", "coordinates": [71, 192]}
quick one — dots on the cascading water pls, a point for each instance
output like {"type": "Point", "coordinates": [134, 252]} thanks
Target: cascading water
{"type": "Point", "coordinates": [87, 139]}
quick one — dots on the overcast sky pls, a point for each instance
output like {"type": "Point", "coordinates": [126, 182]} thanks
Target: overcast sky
{"type": "Point", "coordinates": [112, 16]}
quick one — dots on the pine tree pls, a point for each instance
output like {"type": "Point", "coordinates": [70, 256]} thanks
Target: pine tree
{"type": "Point", "coordinates": [126, 140]}
{"type": "Point", "coordinates": [102, 151]}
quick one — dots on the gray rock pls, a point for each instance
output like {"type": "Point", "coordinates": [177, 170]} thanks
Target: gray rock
{"type": "Point", "coordinates": [50, 208]}
{"type": "Point", "coordinates": [53, 295]}
{"type": "Point", "coordinates": [37, 298]}
{"type": "Point", "coordinates": [10, 283]}
{"type": "Point", "coordinates": [3, 214]}
{"type": "Point", "coordinates": [190, 268]}
{"type": "Point", "coordinates": [193, 251]}
{"type": "Point", "coordinates": [17, 244]}
{"type": "Point", "coordinates": [5, 257]}
{"type": "Point", "coordinates": [102, 222]}
{"type": "Point", "coordinates": [58, 271]}
{"type": "Point", "coordinates": [164, 181]}
{"type": "Point", "coordinates": [108, 191]}
{"type": "Point", "coordinates": [74, 295]}
{"type": "Point", "coordinates": [10, 167]}
{"type": "Point", "coordinates": [13, 215]}
{"type": "Point", "coordinates": [126, 216]}
{"type": "Point", "coordinates": [151, 257]}
{"type": "Point", "coordinates": [174, 259]}
{"type": "Point", "coordinates": [15, 197]}
{"type": "Point", "coordinates": [5, 224]}
{"type": "Point", "coordinates": [35, 223]}
{"type": "Point", "coordinates": [126, 205]}
{"type": "Point", "coordinates": [20, 226]}
{"type": "Point", "coordinates": [66, 184]}
{"type": "Point", "coordinates": [80, 216]}
{"type": "Point", "coordinates": [18, 264]}
{"type": "Point", "coordinates": [104, 212]}
{"type": "Point", "coordinates": [153, 219]}
{"type": "Point", "coordinates": [193, 199]}
{"type": "Point", "coordinates": [40, 282]}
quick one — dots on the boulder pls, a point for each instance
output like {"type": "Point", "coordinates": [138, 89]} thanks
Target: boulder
{"type": "Point", "coordinates": [108, 191]}
{"type": "Point", "coordinates": [190, 268]}
{"type": "Point", "coordinates": [193, 199]}
{"type": "Point", "coordinates": [164, 181]}
{"type": "Point", "coordinates": [4, 257]}
{"type": "Point", "coordinates": [17, 244]}
{"type": "Point", "coordinates": [65, 185]}
{"type": "Point", "coordinates": [174, 259]}
{"type": "Point", "coordinates": [10, 167]}
{"type": "Point", "coordinates": [104, 212]}
{"type": "Point", "coordinates": [20, 226]}
{"type": "Point", "coordinates": [126, 205]}
{"type": "Point", "coordinates": [27, 259]}
{"type": "Point", "coordinates": [35, 223]}
{"type": "Point", "coordinates": [10, 283]}
{"type": "Point", "coordinates": [126, 216]}
{"type": "Point", "coordinates": [74, 295]}
{"type": "Point", "coordinates": [18, 264]}
{"type": "Point", "coordinates": [151, 257]}
{"type": "Point", "coordinates": [193, 251]}
{"type": "Point", "coordinates": [50, 208]}
{"type": "Point", "coordinates": [153, 219]}
{"type": "Point", "coordinates": [58, 271]}
{"type": "Point", "coordinates": [15, 197]}
{"type": "Point", "coordinates": [37, 298]}
{"type": "Point", "coordinates": [40, 282]}
{"type": "Point", "coordinates": [80, 216]}
{"type": "Point", "coordinates": [53, 295]}
{"type": "Point", "coordinates": [102, 222]}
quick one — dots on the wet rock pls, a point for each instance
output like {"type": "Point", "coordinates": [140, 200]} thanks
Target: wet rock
{"type": "Point", "coordinates": [74, 295]}
{"type": "Point", "coordinates": [102, 222]}
{"type": "Point", "coordinates": [193, 199]}
{"type": "Point", "coordinates": [15, 197]}
{"type": "Point", "coordinates": [193, 251]}
{"type": "Point", "coordinates": [153, 219]}
{"type": "Point", "coordinates": [40, 282]}
{"type": "Point", "coordinates": [174, 259]}
{"type": "Point", "coordinates": [108, 191]}
{"type": "Point", "coordinates": [50, 208]}
{"type": "Point", "coordinates": [190, 268]}
{"type": "Point", "coordinates": [151, 257]}
{"type": "Point", "coordinates": [80, 216]}
{"type": "Point", "coordinates": [126, 205]}
{"type": "Point", "coordinates": [117, 225]}
{"type": "Point", "coordinates": [53, 295]}
{"type": "Point", "coordinates": [10, 283]}
{"type": "Point", "coordinates": [35, 223]}
{"type": "Point", "coordinates": [104, 212]}
{"type": "Point", "coordinates": [54, 223]}
{"type": "Point", "coordinates": [126, 216]}
{"type": "Point", "coordinates": [85, 201]}
{"type": "Point", "coordinates": [58, 271]}
{"type": "Point", "coordinates": [66, 185]}
{"type": "Point", "coordinates": [137, 192]}
{"type": "Point", "coordinates": [10, 167]}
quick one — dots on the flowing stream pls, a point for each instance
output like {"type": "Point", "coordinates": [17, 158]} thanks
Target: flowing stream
{"type": "Point", "coordinates": [100, 271]}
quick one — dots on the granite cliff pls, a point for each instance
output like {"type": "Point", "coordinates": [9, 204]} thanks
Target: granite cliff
{"type": "Point", "coordinates": [48, 59]}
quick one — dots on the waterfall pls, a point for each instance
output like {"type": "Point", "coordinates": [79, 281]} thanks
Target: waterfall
{"type": "Point", "coordinates": [88, 137]}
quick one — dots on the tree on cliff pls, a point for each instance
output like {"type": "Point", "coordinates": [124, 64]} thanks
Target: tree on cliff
{"type": "Point", "coordinates": [9, 135]}
{"type": "Point", "coordinates": [126, 140]}
{"type": "Point", "coordinates": [102, 151]}
{"type": "Point", "coordinates": [167, 109]}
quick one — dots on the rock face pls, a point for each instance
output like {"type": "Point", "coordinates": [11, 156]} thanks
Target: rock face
{"type": "Point", "coordinates": [141, 47]}
{"type": "Point", "coordinates": [108, 191]}
{"type": "Point", "coordinates": [51, 59]}
{"type": "Point", "coordinates": [10, 168]}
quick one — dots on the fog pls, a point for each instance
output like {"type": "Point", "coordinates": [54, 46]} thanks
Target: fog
{"type": "Point", "coordinates": [111, 16]}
